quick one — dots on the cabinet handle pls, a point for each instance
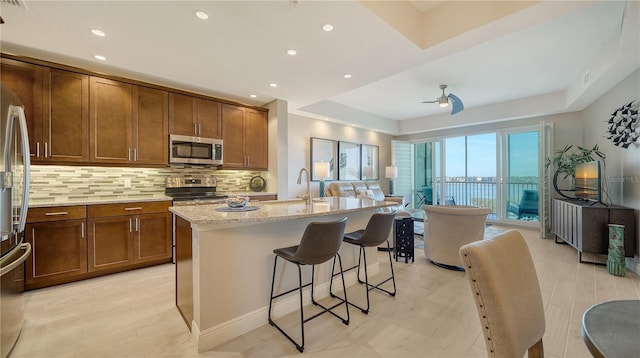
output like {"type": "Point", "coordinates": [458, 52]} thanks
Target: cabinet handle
{"type": "Point", "coordinates": [56, 213]}
{"type": "Point", "coordinates": [46, 154]}
{"type": "Point", "coordinates": [134, 208]}
{"type": "Point", "coordinates": [135, 154]}
{"type": "Point", "coordinates": [199, 129]}
{"type": "Point", "coordinates": [37, 149]}
{"type": "Point", "coordinates": [128, 154]}
{"type": "Point", "coordinates": [82, 230]}
{"type": "Point", "coordinates": [130, 229]}
{"type": "Point", "coordinates": [195, 129]}
{"type": "Point", "coordinates": [137, 225]}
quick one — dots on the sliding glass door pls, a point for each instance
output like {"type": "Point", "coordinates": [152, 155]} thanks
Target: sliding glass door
{"type": "Point", "coordinates": [496, 170]}
{"type": "Point", "coordinates": [522, 176]}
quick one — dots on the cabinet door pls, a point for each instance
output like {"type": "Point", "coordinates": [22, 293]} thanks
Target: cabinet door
{"type": "Point", "coordinates": [59, 250]}
{"type": "Point", "coordinates": [233, 130]}
{"type": "Point", "coordinates": [111, 115]}
{"type": "Point", "coordinates": [110, 242]}
{"type": "Point", "coordinates": [208, 119]}
{"type": "Point", "coordinates": [25, 80]}
{"type": "Point", "coordinates": [150, 126]}
{"type": "Point", "coordinates": [152, 237]}
{"type": "Point", "coordinates": [182, 112]}
{"type": "Point", "coordinates": [256, 149]}
{"type": "Point", "coordinates": [66, 124]}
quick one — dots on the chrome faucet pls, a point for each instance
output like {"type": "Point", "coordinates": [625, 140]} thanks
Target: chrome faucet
{"type": "Point", "coordinates": [307, 196]}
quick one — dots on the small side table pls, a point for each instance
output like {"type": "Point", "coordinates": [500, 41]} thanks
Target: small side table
{"type": "Point", "coordinates": [403, 240]}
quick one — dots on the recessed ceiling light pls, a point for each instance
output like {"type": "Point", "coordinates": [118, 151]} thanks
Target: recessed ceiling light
{"type": "Point", "coordinates": [292, 52]}
{"type": "Point", "coordinates": [100, 57]}
{"type": "Point", "coordinates": [253, 96]}
{"type": "Point", "coordinates": [347, 75]}
{"type": "Point", "coordinates": [98, 32]}
{"type": "Point", "coordinates": [272, 84]}
{"type": "Point", "coordinates": [202, 15]}
{"type": "Point", "coordinates": [327, 27]}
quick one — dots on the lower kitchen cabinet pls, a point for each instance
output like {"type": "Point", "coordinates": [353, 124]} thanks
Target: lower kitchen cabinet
{"type": "Point", "coordinates": [121, 235]}
{"type": "Point", "coordinates": [72, 243]}
{"type": "Point", "coordinates": [58, 240]}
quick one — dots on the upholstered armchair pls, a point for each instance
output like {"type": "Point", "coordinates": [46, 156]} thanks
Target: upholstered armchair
{"type": "Point", "coordinates": [447, 228]}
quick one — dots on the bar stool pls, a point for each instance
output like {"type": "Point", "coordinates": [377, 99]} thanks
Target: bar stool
{"type": "Point", "coordinates": [376, 232]}
{"type": "Point", "coordinates": [320, 242]}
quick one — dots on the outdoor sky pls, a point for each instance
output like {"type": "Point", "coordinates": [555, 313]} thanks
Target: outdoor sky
{"type": "Point", "coordinates": [481, 149]}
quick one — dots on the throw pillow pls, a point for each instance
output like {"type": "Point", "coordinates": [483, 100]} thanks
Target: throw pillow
{"type": "Point", "coordinates": [366, 194]}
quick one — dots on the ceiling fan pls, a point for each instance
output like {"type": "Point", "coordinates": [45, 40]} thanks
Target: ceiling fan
{"type": "Point", "coordinates": [443, 101]}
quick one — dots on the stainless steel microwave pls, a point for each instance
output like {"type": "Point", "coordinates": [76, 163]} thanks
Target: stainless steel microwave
{"type": "Point", "coordinates": [194, 150]}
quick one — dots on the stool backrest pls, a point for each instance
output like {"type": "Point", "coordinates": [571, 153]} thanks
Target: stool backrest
{"type": "Point", "coordinates": [378, 229]}
{"type": "Point", "coordinates": [320, 242]}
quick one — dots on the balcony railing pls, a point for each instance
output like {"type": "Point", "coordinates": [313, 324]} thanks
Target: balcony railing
{"type": "Point", "coordinates": [476, 193]}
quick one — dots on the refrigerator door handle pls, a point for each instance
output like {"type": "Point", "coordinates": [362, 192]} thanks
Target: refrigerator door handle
{"type": "Point", "coordinates": [8, 268]}
{"type": "Point", "coordinates": [22, 121]}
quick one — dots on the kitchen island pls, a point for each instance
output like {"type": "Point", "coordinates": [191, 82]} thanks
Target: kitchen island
{"type": "Point", "coordinates": [224, 261]}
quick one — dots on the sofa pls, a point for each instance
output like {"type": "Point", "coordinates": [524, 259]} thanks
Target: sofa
{"type": "Point", "coordinates": [447, 228]}
{"type": "Point", "coordinates": [356, 189]}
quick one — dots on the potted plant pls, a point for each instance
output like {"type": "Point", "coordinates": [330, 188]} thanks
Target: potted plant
{"type": "Point", "coordinates": [565, 160]}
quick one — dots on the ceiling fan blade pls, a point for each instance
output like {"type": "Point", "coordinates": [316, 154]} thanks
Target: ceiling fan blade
{"type": "Point", "coordinates": [456, 104]}
{"type": "Point", "coordinates": [436, 101]}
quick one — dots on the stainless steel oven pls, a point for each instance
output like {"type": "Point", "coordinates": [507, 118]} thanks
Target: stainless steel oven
{"type": "Point", "coordinates": [194, 150]}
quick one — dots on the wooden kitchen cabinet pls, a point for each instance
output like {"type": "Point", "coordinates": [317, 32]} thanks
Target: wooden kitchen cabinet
{"type": "Point", "coordinates": [25, 80]}
{"type": "Point", "coordinates": [245, 138]}
{"type": "Point", "coordinates": [58, 239]}
{"type": "Point", "coordinates": [56, 106]}
{"type": "Point", "coordinates": [150, 126]}
{"type": "Point", "coordinates": [128, 123]}
{"type": "Point", "coordinates": [194, 116]}
{"type": "Point", "coordinates": [111, 116]}
{"type": "Point", "coordinates": [121, 235]}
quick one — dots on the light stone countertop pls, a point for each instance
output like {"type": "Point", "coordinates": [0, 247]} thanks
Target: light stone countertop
{"type": "Point", "coordinates": [275, 210]}
{"type": "Point", "coordinates": [64, 201]}
{"type": "Point", "coordinates": [245, 193]}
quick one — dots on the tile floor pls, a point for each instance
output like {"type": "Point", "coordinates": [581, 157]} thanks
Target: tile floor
{"type": "Point", "coordinates": [433, 315]}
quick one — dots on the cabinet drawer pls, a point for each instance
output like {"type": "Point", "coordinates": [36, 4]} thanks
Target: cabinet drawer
{"type": "Point", "coordinates": [94, 211]}
{"type": "Point", "coordinates": [56, 213]}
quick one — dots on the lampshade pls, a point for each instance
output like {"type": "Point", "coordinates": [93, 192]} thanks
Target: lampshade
{"type": "Point", "coordinates": [321, 169]}
{"type": "Point", "coordinates": [391, 172]}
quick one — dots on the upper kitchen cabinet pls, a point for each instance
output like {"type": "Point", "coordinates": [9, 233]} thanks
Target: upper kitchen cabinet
{"type": "Point", "coordinates": [194, 116]}
{"type": "Point", "coordinates": [56, 106]}
{"type": "Point", "coordinates": [25, 80]}
{"type": "Point", "coordinates": [111, 117]}
{"type": "Point", "coordinates": [245, 138]}
{"type": "Point", "coordinates": [150, 126]}
{"type": "Point", "coordinates": [66, 123]}
{"type": "Point", "coordinates": [128, 123]}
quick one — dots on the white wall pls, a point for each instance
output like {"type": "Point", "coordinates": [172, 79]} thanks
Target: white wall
{"type": "Point", "coordinates": [300, 131]}
{"type": "Point", "coordinates": [623, 165]}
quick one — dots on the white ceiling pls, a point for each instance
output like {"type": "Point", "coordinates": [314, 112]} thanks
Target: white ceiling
{"type": "Point", "coordinates": [541, 52]}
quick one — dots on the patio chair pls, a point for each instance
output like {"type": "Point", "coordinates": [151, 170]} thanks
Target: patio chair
{"type": "Point", "coordinates": [528, 205]}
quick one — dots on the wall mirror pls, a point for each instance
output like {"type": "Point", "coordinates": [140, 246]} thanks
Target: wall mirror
{"type": "Point", "coordinates": [348, 161]}
{"type": "Point", "coordinates": [324, 150]}
{"type": "Point", "coordinates": [369, 162]}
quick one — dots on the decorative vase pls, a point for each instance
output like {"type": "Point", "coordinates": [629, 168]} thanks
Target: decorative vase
{"type": "Point", "coordinates": [615, 257]}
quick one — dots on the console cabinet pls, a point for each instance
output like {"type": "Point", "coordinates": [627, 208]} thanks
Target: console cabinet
{"type": "Point", "coordinates": [584, 226]}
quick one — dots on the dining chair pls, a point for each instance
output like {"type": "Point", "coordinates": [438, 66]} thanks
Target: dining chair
{"type": "Point", "coordinates": [507, 294]}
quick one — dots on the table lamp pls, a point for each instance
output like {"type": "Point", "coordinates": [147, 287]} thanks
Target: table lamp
{"type": "Point", "coordinates": [321, 170]}
{"type": "Point", "coordinates": [391, 172]}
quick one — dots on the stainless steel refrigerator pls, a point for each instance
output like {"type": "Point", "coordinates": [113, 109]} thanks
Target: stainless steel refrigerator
{"type": "Point", "coordinates": [14, 197]}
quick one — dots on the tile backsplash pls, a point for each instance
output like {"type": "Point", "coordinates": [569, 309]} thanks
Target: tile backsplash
{"type": "Point", "coordinates": [61, 183]}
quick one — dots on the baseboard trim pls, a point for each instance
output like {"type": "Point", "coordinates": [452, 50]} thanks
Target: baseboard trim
{"type": "Point", "coordinates": [224, 332]}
